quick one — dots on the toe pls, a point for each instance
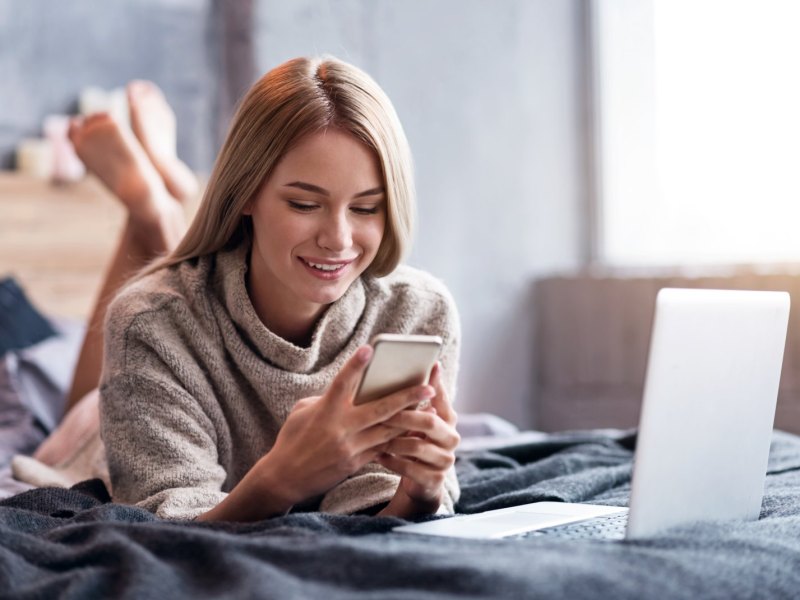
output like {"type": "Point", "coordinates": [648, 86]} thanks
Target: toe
{"type": "Point", "coordinates": [94, 118]}
{"type": "Point", "coordinates": [75, 126]}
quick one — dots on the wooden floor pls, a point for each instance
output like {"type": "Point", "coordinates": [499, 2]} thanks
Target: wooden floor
{"type": "Point", "coordinates": [57, 240]}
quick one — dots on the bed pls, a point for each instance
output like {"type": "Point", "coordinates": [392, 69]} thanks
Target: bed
{"type": "Point", "coordinates": [76, 543]}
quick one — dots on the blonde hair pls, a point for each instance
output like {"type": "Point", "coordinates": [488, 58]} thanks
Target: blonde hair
{"type": "Point", "coordinates": [300, 97]}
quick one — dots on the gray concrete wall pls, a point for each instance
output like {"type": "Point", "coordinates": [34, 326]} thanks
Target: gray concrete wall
{"type": "Point", "coordinates": [490, 96]}
{"type": "Point", "coordinates": [50, 50]}
{"type": "Point", "coordinates": [489, 93]}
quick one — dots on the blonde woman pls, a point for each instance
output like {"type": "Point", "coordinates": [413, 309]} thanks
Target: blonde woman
{"type": "Point", "coordinates": [231, 364]}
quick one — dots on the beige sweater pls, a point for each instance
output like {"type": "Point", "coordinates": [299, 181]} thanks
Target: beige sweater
{"type": "Point", "coordinates": [195, 387]}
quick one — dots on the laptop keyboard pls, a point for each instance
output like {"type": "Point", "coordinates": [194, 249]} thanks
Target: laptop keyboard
{"type": "Point", "coordinates": [612, 527]}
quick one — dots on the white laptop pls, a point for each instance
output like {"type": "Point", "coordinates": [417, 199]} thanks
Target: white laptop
{"type": "Point", "coordinates": [705, 428]}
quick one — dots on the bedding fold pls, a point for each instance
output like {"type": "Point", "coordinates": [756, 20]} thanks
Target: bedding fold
{"type": "Point", "coordinates": [104, 548]}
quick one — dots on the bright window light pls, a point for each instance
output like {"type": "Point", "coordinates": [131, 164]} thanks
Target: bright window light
{"type": "Point", "coordinates": [711, 173]}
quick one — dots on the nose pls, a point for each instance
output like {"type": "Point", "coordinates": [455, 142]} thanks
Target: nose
{"type": "Point", "coordinates": [335, 233]}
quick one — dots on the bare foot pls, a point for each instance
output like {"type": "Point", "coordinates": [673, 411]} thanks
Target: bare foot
{"type": "Point", "coordinates": [114, 155]}
{"type": "Point", "coordinates": [153, 122]}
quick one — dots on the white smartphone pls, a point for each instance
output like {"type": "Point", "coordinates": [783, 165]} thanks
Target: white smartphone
{"type": "Point", "coordinates": [398, 361]}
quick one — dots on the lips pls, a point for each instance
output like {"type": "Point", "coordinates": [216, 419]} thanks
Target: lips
{"type": "Point", "coordinates": [326, 269]}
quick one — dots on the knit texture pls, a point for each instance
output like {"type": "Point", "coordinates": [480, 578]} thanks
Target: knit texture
{"type": "Point", "coordinates": [195, 387]}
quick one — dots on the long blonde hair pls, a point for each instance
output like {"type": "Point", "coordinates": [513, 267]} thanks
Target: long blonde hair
{"type": "Point", "coordinates": [299, 97]}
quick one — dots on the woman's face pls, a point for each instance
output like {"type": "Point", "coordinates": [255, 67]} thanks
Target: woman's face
{"type": "Point", "coordinates": [317, 224]}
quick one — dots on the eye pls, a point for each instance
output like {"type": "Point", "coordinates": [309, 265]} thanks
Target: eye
{"type": "Point", "coordinates": [301, 206]}
{"type": "Point", "coordinates": [366, 210]}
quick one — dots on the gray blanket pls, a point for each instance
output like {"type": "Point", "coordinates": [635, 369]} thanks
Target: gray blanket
{"type": "Point", "coordinates": [73, 543]}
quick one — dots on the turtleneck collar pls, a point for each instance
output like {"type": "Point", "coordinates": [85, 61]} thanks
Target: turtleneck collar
{"type": "Point", "coordinates": [331, 333]}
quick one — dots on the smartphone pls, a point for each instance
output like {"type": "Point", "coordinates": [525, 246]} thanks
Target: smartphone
{"type": "Point", "coordinates": [399, 361]}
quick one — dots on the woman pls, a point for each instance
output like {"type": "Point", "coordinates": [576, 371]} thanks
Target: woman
{"type": "Point", "coordinates": [230, 365]}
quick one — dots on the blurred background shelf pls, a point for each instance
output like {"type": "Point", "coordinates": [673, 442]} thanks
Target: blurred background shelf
{"type": "Point", "coordinates": [56, 240]}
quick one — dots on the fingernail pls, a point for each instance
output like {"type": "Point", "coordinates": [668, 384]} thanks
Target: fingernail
{"type": "Point", "coordinates": [425, 393]}
{"type": "Point", "coordinates": [436, 371]}
{"type": "Point", "coordinates": [364, 354]}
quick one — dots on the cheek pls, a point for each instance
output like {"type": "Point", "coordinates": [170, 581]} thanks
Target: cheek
{"type": "Point", "coordinates": [373, 235]}
{"type": "Point", "coordinates": [282, 234]}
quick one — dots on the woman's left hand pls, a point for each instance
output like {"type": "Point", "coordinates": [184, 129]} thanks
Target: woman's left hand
{"type": "Point", "coordinates": [423, 455]}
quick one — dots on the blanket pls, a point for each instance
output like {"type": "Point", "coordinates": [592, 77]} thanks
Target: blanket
{"type": "Point", "coordinates": [76, 544]}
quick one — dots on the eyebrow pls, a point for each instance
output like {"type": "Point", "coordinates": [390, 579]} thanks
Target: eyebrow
{"type": "Point", "coordinates": [310, 187]}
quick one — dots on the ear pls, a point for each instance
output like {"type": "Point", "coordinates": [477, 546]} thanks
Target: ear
{"type": "Point", "coordinates": [247, 209]}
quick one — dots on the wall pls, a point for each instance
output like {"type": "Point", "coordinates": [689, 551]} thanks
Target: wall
{"type": "Point", "coordinates": [49, 50]}
{"type": "Point", "coordinates": [597, 327]}
{"type": "Point", "coordinates": [490, 96]}
{"type": "Point", "coordinates": [489, 92]}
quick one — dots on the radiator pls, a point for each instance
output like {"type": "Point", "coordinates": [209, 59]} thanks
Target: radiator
{"type": "Point", "coordinates": [593, 336]}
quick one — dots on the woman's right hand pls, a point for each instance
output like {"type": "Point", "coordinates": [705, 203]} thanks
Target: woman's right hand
{"type": "Point", "coordinates": [327, 438]}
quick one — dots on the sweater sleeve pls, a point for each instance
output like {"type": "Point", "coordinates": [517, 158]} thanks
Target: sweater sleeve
{"type": "Point", "coordinates": [374, 484]}
{"type": "Point", "coordinates": [161, 448]}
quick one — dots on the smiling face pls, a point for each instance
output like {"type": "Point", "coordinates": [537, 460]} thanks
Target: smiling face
{"type": "Point", "coordinates": [318, 222]}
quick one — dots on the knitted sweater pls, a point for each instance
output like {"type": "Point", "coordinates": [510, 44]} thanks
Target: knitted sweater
{"type": "Point", "coordinates": [195, 387]}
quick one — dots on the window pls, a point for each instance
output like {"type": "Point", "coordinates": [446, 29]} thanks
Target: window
{"type": "Point", "coordinates": [697, 120]}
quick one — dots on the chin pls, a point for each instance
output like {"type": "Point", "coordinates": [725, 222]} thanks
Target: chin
{"type": "Point", "coordinates": [328, 296]}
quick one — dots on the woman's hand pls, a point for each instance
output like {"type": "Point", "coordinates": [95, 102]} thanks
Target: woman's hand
{"type": "Point", "coordinates": [423, 454]}
{"type": "Point", "coordinates": [326, 439]}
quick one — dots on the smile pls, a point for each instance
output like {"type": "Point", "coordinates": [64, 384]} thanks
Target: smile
{"type": "Point", "coordinates": [322, 267]}
{"type": "Point", "coordinates": [326, 270]}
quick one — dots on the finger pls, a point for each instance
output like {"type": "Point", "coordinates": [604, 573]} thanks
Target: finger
{"type": "Point", "coordinates": [364, 458]}
{"type": "Point", "coordinates": [305, 403]}
{"type": "Point", "coordinates": [431, 480]}
{"type": "Point", "coordinates": [375, 438]}
{"type": "Point", "coordinates": [377, 411]}
{"type": "Point", "coordinates": [301, 404]}
{"type": "Point", "coordinates": [344, 386]}
{"type": "Point", "coordinates": [427, 423]}
{"type": "Point", "coordinates": [427, 409]}
{"type": "Point", "coordinates": [441, 401]}
{"type": "Point", "coordinates": [421, 450]}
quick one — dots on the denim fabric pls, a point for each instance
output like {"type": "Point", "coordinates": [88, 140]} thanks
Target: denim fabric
{"type": "Point", "coordinates": [21, 325]}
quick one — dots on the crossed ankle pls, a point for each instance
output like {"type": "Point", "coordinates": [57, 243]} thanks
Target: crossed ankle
{"type": "Point", "coordinates": [178, 178]}
{"type": "Point", "coordinates": [154, 236]}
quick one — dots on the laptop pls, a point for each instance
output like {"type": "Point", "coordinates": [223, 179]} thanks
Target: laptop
{"type": "Point", "coordinates": [704, 431]}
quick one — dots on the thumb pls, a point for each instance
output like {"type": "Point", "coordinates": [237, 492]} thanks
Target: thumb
{"type": "Point", "coordinates": [344, 386]}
